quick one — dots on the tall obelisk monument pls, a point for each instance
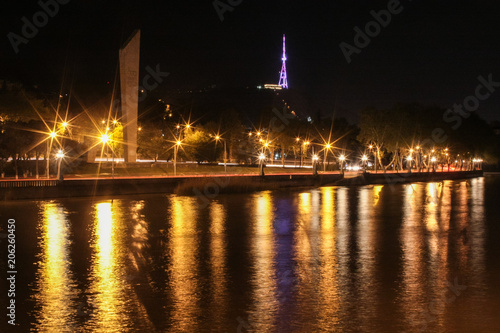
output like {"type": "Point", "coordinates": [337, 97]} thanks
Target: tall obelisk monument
{"type": "Point", "coordinates": [129, 84]}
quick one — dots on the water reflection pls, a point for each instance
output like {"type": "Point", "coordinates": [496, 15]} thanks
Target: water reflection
{"type": "Point", "coordinates": [56, 287]}
{"type": "Point", "coordinates": [263, 280]}
{"type": "Point", "coordinates": [366, 246]}
{"type": "Point", "coordinates": [183, 269]}
{"type": "Point", "coordinates": [328, 293]}
{"type": "Point", "coordinates": [218, 266]}
{"type": "Point", "coordinates": [107, 303]}
{"type": "Point", "coordinates": [370, 258]}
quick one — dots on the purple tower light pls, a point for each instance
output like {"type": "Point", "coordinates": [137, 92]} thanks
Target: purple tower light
{"type": "Point", "coordinates": [283, 80]}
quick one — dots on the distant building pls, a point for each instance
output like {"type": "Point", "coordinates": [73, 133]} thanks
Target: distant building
{"type": "Point", "coordinates": [270, 86]}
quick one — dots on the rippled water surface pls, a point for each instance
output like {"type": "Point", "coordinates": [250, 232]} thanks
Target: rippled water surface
{"type": "Point", "coordinates": [419, 257]}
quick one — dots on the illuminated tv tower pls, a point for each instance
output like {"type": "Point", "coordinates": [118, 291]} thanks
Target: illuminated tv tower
{"type": "Point", "coordinates": [283, 80]}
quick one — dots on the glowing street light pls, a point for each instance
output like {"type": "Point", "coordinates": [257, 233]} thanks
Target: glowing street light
{"type": "Point", "coordinates": [327, 147]}
{"type": "Point", "coordinates": [52, 135]}
{"type": "Point", "coordinates": [59, 155]}
{"type": "Point", "coordinates": [433, 160]}
{"type": "Point", "coordinates": [262, 157]}
{"type": "Point", "coordinates": [217, 138]}
{"type": "Point", "coordinates": [315, 164]}
{"type": "Point", "coordinates": [176, 148]}
{"type": "Point", "coordinates": [105, 138]}
{"type": "Point", "coordinates": [342, 159]}
{"type": "Point", "coordinates": [409, 159]}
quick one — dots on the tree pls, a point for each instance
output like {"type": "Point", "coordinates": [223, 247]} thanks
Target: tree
{"type": "Point", "coordinates": [152, 143]}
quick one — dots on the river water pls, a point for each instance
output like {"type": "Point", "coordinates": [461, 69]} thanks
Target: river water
{"type": "Point", "coordinates": [393, 258]}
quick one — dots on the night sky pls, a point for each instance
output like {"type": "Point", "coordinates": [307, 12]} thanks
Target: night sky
{"type": "Point", "coordinates": [431, 52]}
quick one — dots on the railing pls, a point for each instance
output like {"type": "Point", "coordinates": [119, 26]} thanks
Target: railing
{"type": "Point", "coordinates": [28, 183]}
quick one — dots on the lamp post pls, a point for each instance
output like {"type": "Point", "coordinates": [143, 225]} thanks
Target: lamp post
{"type": "Point", "coordinates": [409, 160]}
{"type": "Point", "coordinates": [375, 153]}
{"type": "Point", "coordinates": [306, 143]}
{"type": "Point", "coordinates": [315, 164]}
{"type": "Point", "coordinates": [433, 160]}
{"type": "Point", "coordinates": [364, 159]}
{"type": "Point", "coordinates": [342, 159]}
{"type": "Point", "coordinates": [47, 169]}
{"type": "Point", "coordinates": [59, 155]}
{"type": "Point", "coordinates": [327, 146]}
{"type": "Point", "coordinates": [262, 157]}
{"type": "Point", "coordinates": [176, 147]}
{"type": "Point", "coordinates": [225, 152]}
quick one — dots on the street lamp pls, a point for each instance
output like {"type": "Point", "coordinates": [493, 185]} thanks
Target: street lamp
{"type": "Point", "coordinates": [364, 159]}
{"type": "Point", "coordinates": [327, 147]}
{"type": "Point", "coordinates": [433, 160]}
{"type": "Point", "coordinates": [315, 164]}
{"type": "Point", "coordinates": [52, 136]}
{"type": "Point", "coordinates": [59, 155]}
{"type": "Point", "coordinates": [176, 148]}
{"type": "Point", "coordinates": [342, 159]}
{"type": "Point", "coordinates": [225, 152]}
{"type": "Point", "coordinates": [306, 143]}
{"type": "Point", "coordinates": [409, 160]}
{"type": "Point", "coordinates": [105, 138]}
{"type": "Point", "coordinates": [375, 155]}
{"type": "Point", "coordinates": [262, 158]}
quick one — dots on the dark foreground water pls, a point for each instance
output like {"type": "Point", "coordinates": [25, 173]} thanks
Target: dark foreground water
{"type": "Point", "coordinates": [420, 257]}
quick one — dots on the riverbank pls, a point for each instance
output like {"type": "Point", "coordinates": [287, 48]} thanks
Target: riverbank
{"type": "Point", "coordinates": [200, 185]}
{"type": "Point", "coordinates": [206, 186]}
{"type": "Point", "coordinates": [407, 177]}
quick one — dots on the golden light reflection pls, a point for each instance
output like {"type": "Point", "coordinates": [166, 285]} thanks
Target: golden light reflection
{"type": "Point", "coordinates": [107, 288]}
{"type": "Point", "coordinates": [366, 240]}
{"type": "Point", "coordinates": [476, 233]}
{"type": "Point", "coordinates": [264, 295]}
{"type": "Point", "coordinates": [139, 236]}
{"type": "Point", "coordinates": [376, 193]}
{"type": "Point", "coordinates": [56, 285]}
{"type": "Point", "coordinates": [343, 225]}
{"type": "Point", "coordinates": [327, 209]}
{"type": "Point", "coordinates": [218, 263]}
{"type": "Point", "coordinates": [183, 251]}
{"type": "Point", "coordinates": [330, 303]}
{"type": "Point", "coordinates": [413, 252]}
{"type": "Point", "coordinates": [432, 199]}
